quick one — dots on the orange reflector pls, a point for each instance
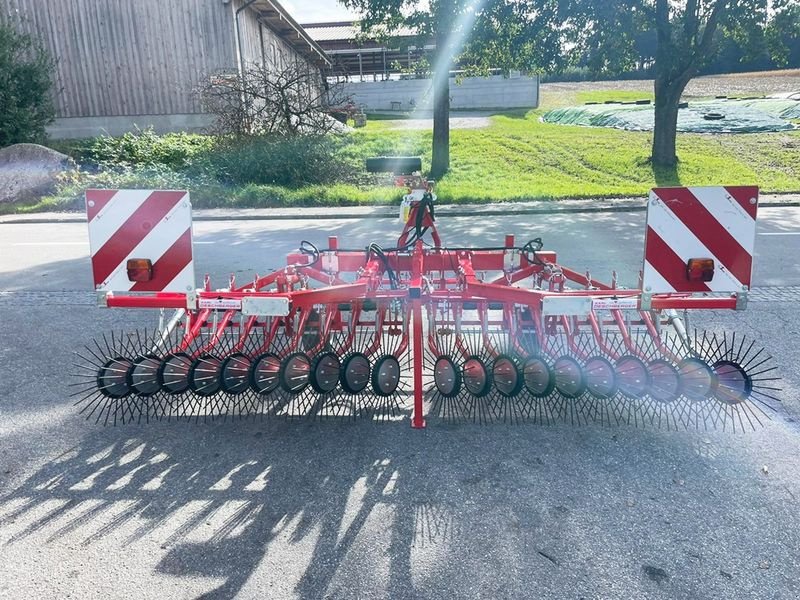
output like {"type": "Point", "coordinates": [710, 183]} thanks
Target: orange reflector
{"type": "Point", "coordinates": [140, 269]}
{"type": "Point", "coordinates": [700, 269]}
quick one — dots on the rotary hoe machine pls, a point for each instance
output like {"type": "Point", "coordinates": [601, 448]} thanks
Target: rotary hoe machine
{"type": "Point", "coordinates": [418, 329]}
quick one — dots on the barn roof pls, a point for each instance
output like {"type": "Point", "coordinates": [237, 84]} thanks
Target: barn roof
{"type": "Point", "coordinates": [271, 13]}
{"type": "Point", "coordinates": [344, 31]}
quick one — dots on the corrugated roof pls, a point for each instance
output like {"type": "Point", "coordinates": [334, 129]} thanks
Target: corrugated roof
{"type": "Point", "coordinates": [343, 31]}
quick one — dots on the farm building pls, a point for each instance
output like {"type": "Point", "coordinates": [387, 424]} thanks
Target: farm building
{"type": "Point", "coordinates": [124, 64]}
{"type": "Point", "coordinates": [358, 57]}
{"type": "Point", "coordinates": [378, 74]}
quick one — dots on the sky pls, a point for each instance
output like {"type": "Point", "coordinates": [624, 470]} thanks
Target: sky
{"type": "Point", "coordinates": [315, 11]}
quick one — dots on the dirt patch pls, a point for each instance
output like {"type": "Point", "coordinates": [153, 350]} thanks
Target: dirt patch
{"type": "Point", "coordinates": [735, 84]}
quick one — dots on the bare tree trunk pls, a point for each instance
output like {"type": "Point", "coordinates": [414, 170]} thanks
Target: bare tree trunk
{"type": "Point", "coordinates": [668, 96]}
{"type": "Point", "coordinates": [440, 162]}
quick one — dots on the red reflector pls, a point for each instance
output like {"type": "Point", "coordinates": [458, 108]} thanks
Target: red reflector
{"type": "Point", "coordinates": [140, 269]}
{"type": "Point", "coordinates": [700, 269]}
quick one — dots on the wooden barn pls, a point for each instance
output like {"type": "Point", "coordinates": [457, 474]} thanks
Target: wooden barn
{"type": "Point", "coordinates": [125, 64]}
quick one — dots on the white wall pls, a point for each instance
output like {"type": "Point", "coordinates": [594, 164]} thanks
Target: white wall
{"type": "Point", "coordinates": [474, 92]}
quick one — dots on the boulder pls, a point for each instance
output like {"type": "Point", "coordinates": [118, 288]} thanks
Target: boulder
{"type": "Point", "coordinates": [30, 171]}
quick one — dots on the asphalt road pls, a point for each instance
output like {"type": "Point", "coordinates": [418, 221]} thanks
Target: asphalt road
{"type": "Point", "coordinates": [377, 510]}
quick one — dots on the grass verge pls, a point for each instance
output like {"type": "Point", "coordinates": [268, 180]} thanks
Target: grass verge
{"type": "Point", "coordinates": [515, 158]}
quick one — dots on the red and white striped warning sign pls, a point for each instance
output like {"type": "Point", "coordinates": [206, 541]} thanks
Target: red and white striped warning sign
{"type": "Point", "coordinates": [143, 224]}
{"type": "Point", "coordinates": [700, 222]}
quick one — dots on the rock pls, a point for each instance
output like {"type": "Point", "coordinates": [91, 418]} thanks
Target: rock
{"type": "Point", "coordinates": [30, 171]}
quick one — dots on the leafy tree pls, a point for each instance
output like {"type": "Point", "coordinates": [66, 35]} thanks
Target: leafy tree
{"type": "Point", "coordinates": [687, 39]}
{"type": "Point", "coordinates": [783, 31]}
{"type": "Point", "coordinates": [475, 35]}
{"type": "Point", "coordinates": [26, 103]}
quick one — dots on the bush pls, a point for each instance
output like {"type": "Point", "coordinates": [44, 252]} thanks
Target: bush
{"type": "Point", "coordinates": [145, 148]}
{"type": "Point", "coordinates": [26, 105]}
{"type": "Point", "coordinates": [272, 160]}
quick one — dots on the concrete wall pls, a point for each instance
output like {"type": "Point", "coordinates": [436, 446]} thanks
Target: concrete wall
{"type": "Point", "coordinates": [475, 92]}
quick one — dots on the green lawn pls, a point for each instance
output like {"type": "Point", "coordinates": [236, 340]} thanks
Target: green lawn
{"type": "Point", "coordinates": [518, 157]}
{"type": "Point", "coordinates": [515, 158]}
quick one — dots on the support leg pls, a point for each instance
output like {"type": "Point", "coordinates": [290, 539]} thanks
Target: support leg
{"type": "Point", "coordinates": [417, 419]}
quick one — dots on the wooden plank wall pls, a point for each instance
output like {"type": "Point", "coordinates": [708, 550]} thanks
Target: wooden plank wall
{"type": "Point", "coordinates": [260, 43]}
{"type": "Point", "coordinates": [126, 57]}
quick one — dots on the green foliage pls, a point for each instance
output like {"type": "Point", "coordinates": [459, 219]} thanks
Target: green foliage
{"type": "Point", "coordinates": [26, 105]}
{"type": "Point", "coordinates": [145, 148]}
{"type": "Point", "coordinates": [515, 158]}
{"type": "Point", "coordinates": [274, 160]}
{"type": "Point", "coordinates": [783, 31]}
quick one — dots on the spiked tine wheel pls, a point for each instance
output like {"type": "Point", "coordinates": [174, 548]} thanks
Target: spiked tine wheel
{"type": "Point", "coordinates": [569, 376]}
{"type": "Point", "coordinates": [633, 377]}
{"type": "Point", "coordinates": [665, 381]}
{"type": "Point", "coordinates": [295, 373]}
{"type": "Point", "coordinates": [446, 377]}
{"type": "Point", "coordinates": [386, 375]}
{"type": "Point", "coordinates": [205, 375]}
{"type": "Point", "coordinates": [265, 374]}
{"type": "Point", "coordinates": [540, 380]}
{"type": "Point", "coordinates": [506, 376]}
{"type": "Point", "coordinates": [476, 377]}
{"type": "Point", "coordinates": [173, 374]}
{"type": "Point", "coordinates": [355, 373]}
{"type": "Point", "coordinates": [325, 372]}
{"type": "Point", "coordinates": [113, 378]}
{"type": "Point", "coordinates": [235, 374]}
{"type": "Point", "coordinates": [143, 377]}
{"type": "Point", "coordinates": [601, 380]}
{"type": "Point", "coordinates": [698, 381]}
{"type": "Point", "coordinates": [734, 385]}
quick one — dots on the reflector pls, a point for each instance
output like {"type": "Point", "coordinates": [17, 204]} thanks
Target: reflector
{"type": "Point", "coordinates": [700, 269]}
{"type": "Point", "coordinates": [140, 269]}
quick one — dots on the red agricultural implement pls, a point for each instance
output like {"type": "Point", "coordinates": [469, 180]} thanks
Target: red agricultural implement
{"type": "Point", "coordinates": [423, 329]}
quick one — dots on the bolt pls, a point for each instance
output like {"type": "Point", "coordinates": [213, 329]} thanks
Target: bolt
{"type": "Point", "coordinates": [753, 200]}
{"type": "Point", "coordinates": [648, 289]}
{"type": "Point", "coordinates": [744, 288]}
{"type": "Point", "coordinates": [90, 203]}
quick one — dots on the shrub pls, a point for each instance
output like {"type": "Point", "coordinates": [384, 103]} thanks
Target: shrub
{"type": "Point", "coordinates": [26, 105]}
{"type": "Point", "coordinates": [273, 160]}
{"type": "Point", "coordinates": [145, 148]}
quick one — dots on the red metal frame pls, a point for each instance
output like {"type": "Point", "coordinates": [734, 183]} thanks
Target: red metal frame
{"type": "Point", "coordinates": [452, 280]}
